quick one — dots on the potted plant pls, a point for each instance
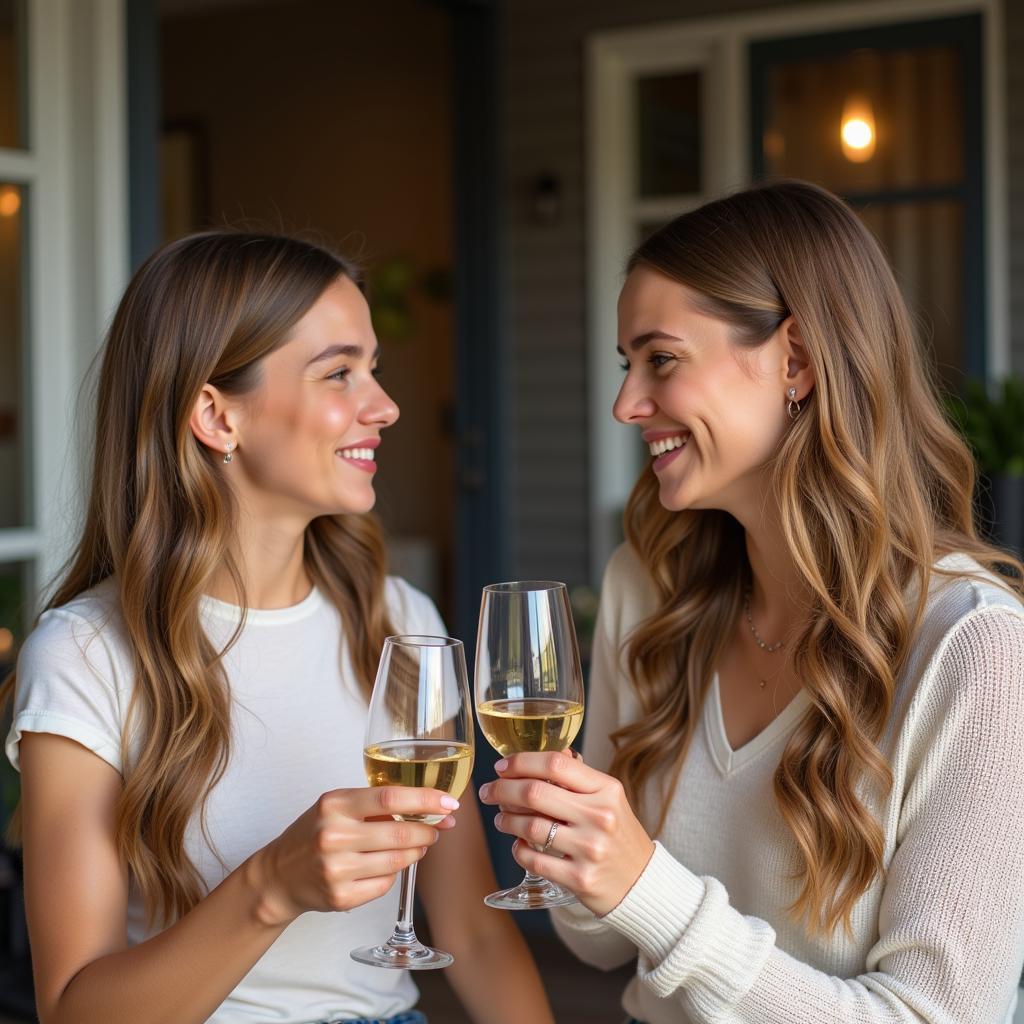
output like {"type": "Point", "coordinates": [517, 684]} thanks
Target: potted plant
{"type": "Point", "coordinates": [992, 422]}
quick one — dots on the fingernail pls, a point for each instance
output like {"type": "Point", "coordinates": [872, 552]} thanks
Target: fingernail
{"type": "Point", "coordinates": [450, 803]}
{"type": "Point", "coordinates": [501, 765]}
{"type": "Point", "coordinates": [425, 848]}
{"type": "Point", "coordinates": [484, 791]}
{"type": "Point", "coordinates": [498, 819]}
{"type": "Point", "coordinates": [449, 821]}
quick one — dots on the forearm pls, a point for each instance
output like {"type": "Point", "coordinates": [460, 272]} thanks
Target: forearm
{"type": "Point", "coordinates": [182, 974]}
{"type": "Point", "coordinates": [495, 976]}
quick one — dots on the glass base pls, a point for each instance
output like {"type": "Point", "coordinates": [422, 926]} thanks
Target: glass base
{"type": "Point", "coordinates": [529, 895]}
{"type": "Point", "coordinates": [405, 956]}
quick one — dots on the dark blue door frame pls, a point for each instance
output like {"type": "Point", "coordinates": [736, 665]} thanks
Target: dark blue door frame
{"type": "Point", "coordinates": [962, 33]}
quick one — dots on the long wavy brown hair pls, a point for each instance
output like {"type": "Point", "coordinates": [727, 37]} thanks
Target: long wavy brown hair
{"type": "Point", "coordinates": [161, 518]}
{"type": "Point", "coordinates": [873, 485]}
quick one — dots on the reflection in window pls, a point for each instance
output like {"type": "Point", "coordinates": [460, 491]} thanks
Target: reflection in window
{"type": "Point", "coordinates": [905, 106]}
{"type": "Point", "coordinates": [13, 490]}
{"type": "Point", "coordinates": [12, 92]}
{"type": "Point", "coordinates": [14, 589]}
{"type": "Point", "coordinates": [669, 134]}
{"type": "Point", "coordinates": [889, 119]}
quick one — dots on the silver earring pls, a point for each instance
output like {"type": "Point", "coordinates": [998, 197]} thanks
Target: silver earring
{"type": "Point", "coordinates": [228, 448]}
{"type": "Point", "coordinates": [792, 406]}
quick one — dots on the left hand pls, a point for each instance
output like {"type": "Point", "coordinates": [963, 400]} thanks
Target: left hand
{"type": "Point", "coordinates": [600, 848]}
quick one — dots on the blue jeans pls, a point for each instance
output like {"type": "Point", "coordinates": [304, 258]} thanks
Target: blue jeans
{"type": "Point", "coordinates": [409, 1017]}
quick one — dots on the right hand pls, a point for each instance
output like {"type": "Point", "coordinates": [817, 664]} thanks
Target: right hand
{"type": "Point", "coordinates": [345, 850]}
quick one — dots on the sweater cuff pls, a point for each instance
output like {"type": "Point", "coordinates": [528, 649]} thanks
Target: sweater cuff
{"type": "Point", "coordinates": [576, 917]}
{"type": "Point", "coordinates": [656, 912]}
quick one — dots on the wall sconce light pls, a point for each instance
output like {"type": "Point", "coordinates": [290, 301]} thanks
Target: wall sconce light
{"type": "Point", "coordinates": [857, 130]}
{"type": "Point", "coordinates": [547, 198]}
{"type": "Point", "coordinates": [10, 201]}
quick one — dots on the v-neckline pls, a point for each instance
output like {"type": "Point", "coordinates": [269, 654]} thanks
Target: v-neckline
{"type": "Point", "coordinates": [729, 760]}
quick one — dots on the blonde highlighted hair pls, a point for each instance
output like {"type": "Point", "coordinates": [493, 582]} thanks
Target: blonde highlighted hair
{"type": "Point", "coordinates": [873, 485]}
{"type": "Point", "coordinates": [160, 519]}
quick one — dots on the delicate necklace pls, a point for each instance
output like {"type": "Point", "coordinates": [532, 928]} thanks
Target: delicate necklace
{"type": "Point", "coordinates": [767, 648]}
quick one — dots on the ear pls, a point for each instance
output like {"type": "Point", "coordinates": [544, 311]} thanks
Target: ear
{"type": "Point", "coordinates": [797, 370]}
{"type": "Point", "coordinates": [214, 419]}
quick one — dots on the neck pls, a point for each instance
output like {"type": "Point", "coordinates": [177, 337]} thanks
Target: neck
{"type": "Point", "coordinates": [269, 555]}
{"type": "Point", "coordinates": [779, 598]}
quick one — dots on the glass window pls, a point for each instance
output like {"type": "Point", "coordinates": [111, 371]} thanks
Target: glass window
{"type": "Point", "coordinates": [669, 134]}
{"type": "Point", "coordinates": [13, 412]}
{"type": "Point", "coordinates": [923, 241]}
{"type": "Point", "coordinates": [868, 120]}
{"type": "Point", "coordinates": [12, 74]}
{"type": "Point", "coordinates": [890, 118]}
{"type": "Point", "coordinates": [15, 580]}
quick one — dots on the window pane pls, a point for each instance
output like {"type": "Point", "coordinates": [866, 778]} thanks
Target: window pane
{"type": "Point", "coordinates": [902, 113]}
{"type": "Point", "coordinates": [924, 242]}
{"type": "Point", "coordinates": [669, 128]}
{"type": "Point", "coordinates": [12, 74]}
{"type": "Point", "coordinates": [15, 582]}
{"type": "Point", "coordinates": [13, 420]}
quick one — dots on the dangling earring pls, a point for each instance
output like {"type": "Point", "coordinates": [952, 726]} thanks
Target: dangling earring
{"type": "Point", "coordinates": [227, 451]}
{"type": "Point", "coordinates": [792, 406]}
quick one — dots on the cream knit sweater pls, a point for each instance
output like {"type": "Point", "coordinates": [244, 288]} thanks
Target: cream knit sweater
{"type": "Point", "coordinates": [939, 939]}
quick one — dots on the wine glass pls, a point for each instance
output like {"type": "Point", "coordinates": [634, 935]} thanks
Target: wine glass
{"type": "Point", "coordinates": [529, 693]}
{"type": "Point", "coordinates": [419, 733]}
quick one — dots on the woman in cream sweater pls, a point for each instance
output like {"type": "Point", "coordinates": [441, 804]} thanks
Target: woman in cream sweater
{"type": "Point", "coordinates": [800, 799]}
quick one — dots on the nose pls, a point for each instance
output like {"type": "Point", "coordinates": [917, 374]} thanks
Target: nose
{"type": "Point", "coordinates": [379, 409]}
{"type": "Point", "coordinates": [631, 404]}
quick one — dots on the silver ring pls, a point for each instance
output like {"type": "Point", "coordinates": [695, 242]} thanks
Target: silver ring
{"type": "Point", "coordinates": [551, 837]}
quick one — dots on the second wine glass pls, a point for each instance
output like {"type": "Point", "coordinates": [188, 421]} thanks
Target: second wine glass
{"type": "Point", "coordinates": [419, 733]}
{"type": "Point", "coordinates": [529, 693]}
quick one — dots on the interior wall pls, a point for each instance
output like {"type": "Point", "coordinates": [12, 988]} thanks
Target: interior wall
{"type": "Point", "coordinates": [335, 119]}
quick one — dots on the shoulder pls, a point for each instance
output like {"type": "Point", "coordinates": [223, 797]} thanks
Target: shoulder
{"type": "Point", "coordinates": [628, 592]}
{"type": "Point", "coordinates": [963, 598]}
{"type": "Point", "coordinates": [88, 632]}
{"type": "Point", "coordinates": [970, 644]}
{"type": "Point", "coordinates": [410, 610]}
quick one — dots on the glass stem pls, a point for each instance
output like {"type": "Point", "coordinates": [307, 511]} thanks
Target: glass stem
{"type": "Point", "coordinates": [404, 933]}
{"type": "Point", "coordinates": [530, 880]}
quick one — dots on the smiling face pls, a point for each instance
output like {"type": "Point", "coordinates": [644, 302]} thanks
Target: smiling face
{"type": "Point", "coordinates": [711, 410]}
{"type": "Point", "coordinates": [308, 433]}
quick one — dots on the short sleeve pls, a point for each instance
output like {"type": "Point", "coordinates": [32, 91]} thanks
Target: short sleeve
{"type": "Point", "coordinates": [69, 684]}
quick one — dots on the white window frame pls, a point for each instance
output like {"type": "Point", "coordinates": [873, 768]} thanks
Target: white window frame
{"type": "Point", "coordinates": [75, 173]}
{"type": "Point", "coordinates": [720, 46]}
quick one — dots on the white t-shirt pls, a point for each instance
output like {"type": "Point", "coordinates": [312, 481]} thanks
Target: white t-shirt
{"type": "Point", "coordinates": [938, 938]}
{"type": "Point", "coordinates": [297, 731]}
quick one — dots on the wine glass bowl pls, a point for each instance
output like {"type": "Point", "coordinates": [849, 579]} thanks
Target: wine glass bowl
{"type": "Point", "coordinates": [419, 732]}
{"type": "Point", "coordinates": [529, 693]}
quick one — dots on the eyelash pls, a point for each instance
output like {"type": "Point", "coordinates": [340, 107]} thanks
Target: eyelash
{"type": "Point", "coordinates": [344, 371]}
{"type": "Point", "coordinates": [656, 359]}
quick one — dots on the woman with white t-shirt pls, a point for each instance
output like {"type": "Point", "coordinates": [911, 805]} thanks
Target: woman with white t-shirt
{"type": "Point", "coordinates": [801, 798]}
{"type": "Point", "coordinates": [189, 711]}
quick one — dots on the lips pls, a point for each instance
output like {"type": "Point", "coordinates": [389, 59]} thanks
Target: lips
{"type": "Point", "coordinates": [361, 455]}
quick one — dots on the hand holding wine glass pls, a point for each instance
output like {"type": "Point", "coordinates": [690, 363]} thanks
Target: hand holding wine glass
{"type": "Point", "coordinates": [419, 734]}
{"type": "Point", "coordinates": [529, 693]}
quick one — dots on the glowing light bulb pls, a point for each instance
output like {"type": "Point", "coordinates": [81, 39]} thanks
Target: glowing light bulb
{"type": "Point", "coordinates": [10, 201]}
{"type": "Point", "coordinates": [857, 130]}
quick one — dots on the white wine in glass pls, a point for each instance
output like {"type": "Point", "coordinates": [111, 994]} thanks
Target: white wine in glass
{"type": "Point", "coordinates": [419, 733]}
{"type": "Point", "coordinates": [529, 693]}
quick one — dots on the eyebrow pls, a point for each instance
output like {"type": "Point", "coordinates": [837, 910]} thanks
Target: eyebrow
{"type": "Point", "coordinates": [648, 336]}
{"type": "Point", "coordinates": [352, 351]}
